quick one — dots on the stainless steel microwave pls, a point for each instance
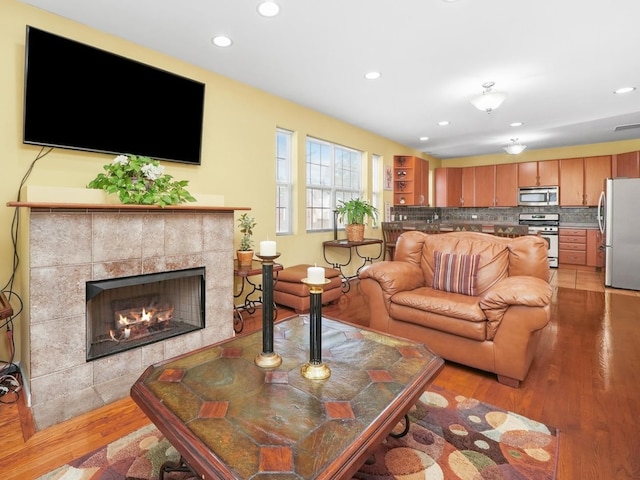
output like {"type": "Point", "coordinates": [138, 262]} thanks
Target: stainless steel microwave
{"type": "Point", "coordinates": [538, 196]}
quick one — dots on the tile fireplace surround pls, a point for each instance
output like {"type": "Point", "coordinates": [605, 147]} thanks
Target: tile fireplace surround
{"type": "Point", "coordinates": [70, 245]}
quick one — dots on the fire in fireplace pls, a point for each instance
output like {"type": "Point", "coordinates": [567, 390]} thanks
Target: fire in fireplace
{"type": "Point", "coordinates": [128, 312]}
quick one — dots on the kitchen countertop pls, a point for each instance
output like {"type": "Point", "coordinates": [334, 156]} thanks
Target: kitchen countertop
{"type": "Point", "coordinates": [586, 226]}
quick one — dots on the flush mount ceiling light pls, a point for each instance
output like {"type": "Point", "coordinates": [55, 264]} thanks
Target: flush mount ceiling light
{"type": "Point", "coordinates": [221, 41]}
{"type": "Point", "coordinates": [424, 139]}
{"type": "Point", "coordinates": [372, 75]}
{"type": "Point", "coordinates": [268, 9]}
{"type": "Point", "coordinates": [489, 100]}
{"type": "Point", "coordinates": [624, 90]}
{"type": "Point", "coordinates": [515, 147]}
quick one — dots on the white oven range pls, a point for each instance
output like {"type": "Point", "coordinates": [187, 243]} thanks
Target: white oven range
{"type": "Point", "coordinates": [546, 225]}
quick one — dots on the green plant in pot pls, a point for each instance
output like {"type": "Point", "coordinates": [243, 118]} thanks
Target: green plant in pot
{"type": "Point", "coordinates": [245, 252]}
{"type": "Point", "coordinates": [353, 213]}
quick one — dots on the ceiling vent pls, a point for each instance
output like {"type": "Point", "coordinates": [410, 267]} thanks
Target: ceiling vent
{"type": "Point", "coordinates": [620, 128]}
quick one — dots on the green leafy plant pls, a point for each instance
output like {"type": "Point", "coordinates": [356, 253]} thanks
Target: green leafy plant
{"type": "Point", "coordinates": [355, 211]}
{"type": "Point", "coordinates": [246, 224]}
{"type": "Point", "coordinates": [141, 180]}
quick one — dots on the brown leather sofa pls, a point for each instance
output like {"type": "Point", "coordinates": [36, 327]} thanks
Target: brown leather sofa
{"type": "Point", "coordinates": [493, 325]}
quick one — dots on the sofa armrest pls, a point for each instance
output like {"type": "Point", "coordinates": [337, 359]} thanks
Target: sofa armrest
{"type": "Point", "coordinates": [394, 276]}
{"type": "Point", "coordinates": [521, 290]}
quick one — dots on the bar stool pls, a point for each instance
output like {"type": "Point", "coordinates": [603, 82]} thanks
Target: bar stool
{"type": "Point", "coordinates": [390, 233]}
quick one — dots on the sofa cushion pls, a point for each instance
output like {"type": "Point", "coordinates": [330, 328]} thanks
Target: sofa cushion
{"type": "Point", "coordinates": [444, 303]}
{"type": "Point", "coordinates": [455, 273]}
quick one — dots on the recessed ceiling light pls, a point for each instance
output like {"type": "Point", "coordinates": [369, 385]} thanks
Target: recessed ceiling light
{"type": "Point", "coordinates": [516, 124]}
{"type": "Point", "coordinates": [268, 9]}
{"type": "Point", "coordinates": [372, 75]}
{"type": "Point", "coordinates": [424, 139]}
{"type": "Point", "coordinates": [221, 41]}
{"type": "Point", "coordinates": [625, 90]}
{"type": "Point", "coordinates": [443, 123]}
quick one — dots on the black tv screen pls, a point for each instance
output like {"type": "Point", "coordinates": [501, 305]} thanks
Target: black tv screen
{"type": "Point", "coordinates": [83, 98]}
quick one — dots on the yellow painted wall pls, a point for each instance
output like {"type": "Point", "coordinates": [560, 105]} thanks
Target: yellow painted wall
{"type": "Point", "coordinates": [577, 151]}
{"type": "Point", "coordinates": [238, 159]}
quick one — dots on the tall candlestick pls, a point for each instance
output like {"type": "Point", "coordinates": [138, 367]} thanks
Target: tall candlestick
{"type": "Point", "coordinates": [314, 369]}
{"type": "Point", "coordinates": [268, 358]}
{"type": "Point", "coordinates": [267, 248]}
{"type": "Point", "coordinates": [315, 275]}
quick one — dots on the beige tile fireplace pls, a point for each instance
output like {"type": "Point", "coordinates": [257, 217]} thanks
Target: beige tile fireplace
{"type": "Point", "coordinates": [70, 245]}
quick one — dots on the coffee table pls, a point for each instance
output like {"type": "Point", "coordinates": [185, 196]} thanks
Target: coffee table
{"type": "Point", "coordinates": [230, 419]}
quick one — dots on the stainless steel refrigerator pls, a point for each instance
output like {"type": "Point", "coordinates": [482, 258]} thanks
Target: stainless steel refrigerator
{"type": "Point", "coordinates": [619, 221]}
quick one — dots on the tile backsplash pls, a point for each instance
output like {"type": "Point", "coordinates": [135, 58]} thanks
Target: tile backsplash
{"type": "Point", "coordinates": [586, 215]}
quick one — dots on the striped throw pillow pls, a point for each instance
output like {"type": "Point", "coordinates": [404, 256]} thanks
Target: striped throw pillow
{"type": "Point", "coordinates": [455, 273]}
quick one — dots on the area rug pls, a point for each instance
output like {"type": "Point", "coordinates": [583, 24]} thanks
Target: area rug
{"type": "Point", "coordinates": [450, 437]}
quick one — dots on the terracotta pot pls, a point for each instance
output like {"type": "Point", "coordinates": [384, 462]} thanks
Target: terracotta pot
{"type": "Point", "coordinates": [244, 257]}
{"type": "Point", "coordinates": [355, 232]}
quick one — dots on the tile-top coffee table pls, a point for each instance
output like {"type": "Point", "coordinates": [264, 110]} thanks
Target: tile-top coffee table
{"type": "Point", "coordinates": [230, 419]}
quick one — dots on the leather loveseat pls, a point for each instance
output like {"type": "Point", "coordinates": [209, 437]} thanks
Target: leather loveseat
{"type": "Point", "coordinates": [471, 298]}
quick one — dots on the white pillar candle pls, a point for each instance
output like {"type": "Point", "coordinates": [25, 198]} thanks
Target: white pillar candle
{"type": "Point", "coordinates": [268, 248]}
{"type": "Point", "coordinates": [315, 275]}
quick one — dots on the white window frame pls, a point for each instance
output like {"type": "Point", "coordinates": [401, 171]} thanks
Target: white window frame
{"type": "Point", "coordinates": [284, 182]}
{"type": "Point", "coordinates": [377, 167]}
{"type": "Point", "coordinates": [334, 172]}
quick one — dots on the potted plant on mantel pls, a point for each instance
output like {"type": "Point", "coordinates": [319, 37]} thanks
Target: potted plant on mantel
{"type": "Point", "coordinates": [353, 214]}
{"type": "Point", "coordinates": [245, 252]}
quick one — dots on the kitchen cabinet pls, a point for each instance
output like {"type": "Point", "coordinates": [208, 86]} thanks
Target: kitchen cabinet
{"type": "Point", "coordinates": [582, 180]}
{"type": "Point", "coordinates": [468, 187]}
{"type": "Point", "coordinates": [595, 250]}
{"type": "Point", "coordinates": [572, 246]}
{"type": "Point", "coordinates": [448, 186]}
{"type": "Point", "coordinates": [484, 184]}
{"type": "Point", "coordinates": [506, 191]}
{"type": "Point", "coordinates": [579, 246]}
{"type": "Point", "coordinates": [626, 165]}
{"type": "Point", "coordinates": [410, 180]}
{"type": "Point", "coordinates": [536, 174]}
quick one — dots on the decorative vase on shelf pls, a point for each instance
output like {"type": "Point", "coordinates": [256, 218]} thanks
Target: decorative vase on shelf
{"type": "Point", "coordinates": [245, 257]}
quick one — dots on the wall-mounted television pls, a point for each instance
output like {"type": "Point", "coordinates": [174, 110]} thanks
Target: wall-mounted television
{"type": "Point", "coordinates": [83, 98]}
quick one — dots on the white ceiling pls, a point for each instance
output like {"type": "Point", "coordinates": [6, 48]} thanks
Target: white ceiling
{"type": "Point", "coordinates": [558, 61]}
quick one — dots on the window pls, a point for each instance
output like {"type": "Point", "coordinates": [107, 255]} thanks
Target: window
{"type": "Point", "coordinates": [376, 179]}
{"type": "Point", "coordinates": [334, 173]}
{"type": "Point", "coordinates": [284, 185]}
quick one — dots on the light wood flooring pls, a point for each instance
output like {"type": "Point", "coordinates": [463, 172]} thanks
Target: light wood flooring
{"type": "Point", "coordinates": [585, 380]}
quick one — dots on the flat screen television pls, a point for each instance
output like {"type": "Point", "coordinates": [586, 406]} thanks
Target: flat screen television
{"type": "Point", "coordinates": [83, 98]}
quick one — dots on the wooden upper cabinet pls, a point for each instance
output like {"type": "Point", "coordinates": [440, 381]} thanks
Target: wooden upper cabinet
{"type": "Point", "coordinates": [582, 180]}
{"type": "Point", "coordinates": [528, 174]}
{"type": "Point", "coordinates": [410, 180]}
{"type": "Point", "coordinates": [571, 182]}
{"type": "Point", "coordinates": [468, 187]}
{"type": "Point", "coordinates": [535, 174]}
{"type": "Point", "coordinates": [596, 170]}
{"type": "Point", "coordinates": [448, 186]}
{"type": "Point", "coordinates": [626, 165]}
{"type": "Point", "coordinates": [548, 173]}
{"type": "Point", "coordinates": [506, 185]}
{"type": "Point", "coordinates": [484, 186]}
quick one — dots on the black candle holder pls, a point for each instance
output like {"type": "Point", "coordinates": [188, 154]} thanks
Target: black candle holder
{"type": "Point", "coordinates": [314, 369]}
{"type": "Point", "coordinates": [268, 358]}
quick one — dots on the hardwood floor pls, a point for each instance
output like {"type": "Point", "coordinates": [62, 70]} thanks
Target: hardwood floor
{"type": "Point", "coordinates": [585, 381]}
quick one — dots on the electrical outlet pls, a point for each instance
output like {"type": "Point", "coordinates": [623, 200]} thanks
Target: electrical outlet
{"type": "Point", "coordinates": [474, 217]}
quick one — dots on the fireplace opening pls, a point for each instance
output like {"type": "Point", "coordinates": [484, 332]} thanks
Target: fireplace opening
{"type": "Point", "coordinates": [128, 312]}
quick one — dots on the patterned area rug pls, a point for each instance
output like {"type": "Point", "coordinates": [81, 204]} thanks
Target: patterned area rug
{"type": "Point", "coordinates": [450, 437]}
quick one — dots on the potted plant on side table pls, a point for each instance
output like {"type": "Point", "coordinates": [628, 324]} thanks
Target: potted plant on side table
{"type": "Point", "coordinates": [353, 214]}
{"type": "Point", "coordinates": [245, 252]}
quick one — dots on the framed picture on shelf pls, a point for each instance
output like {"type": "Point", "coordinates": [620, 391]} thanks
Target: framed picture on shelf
{"type": "Point", "coordinates": [388, 177]}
